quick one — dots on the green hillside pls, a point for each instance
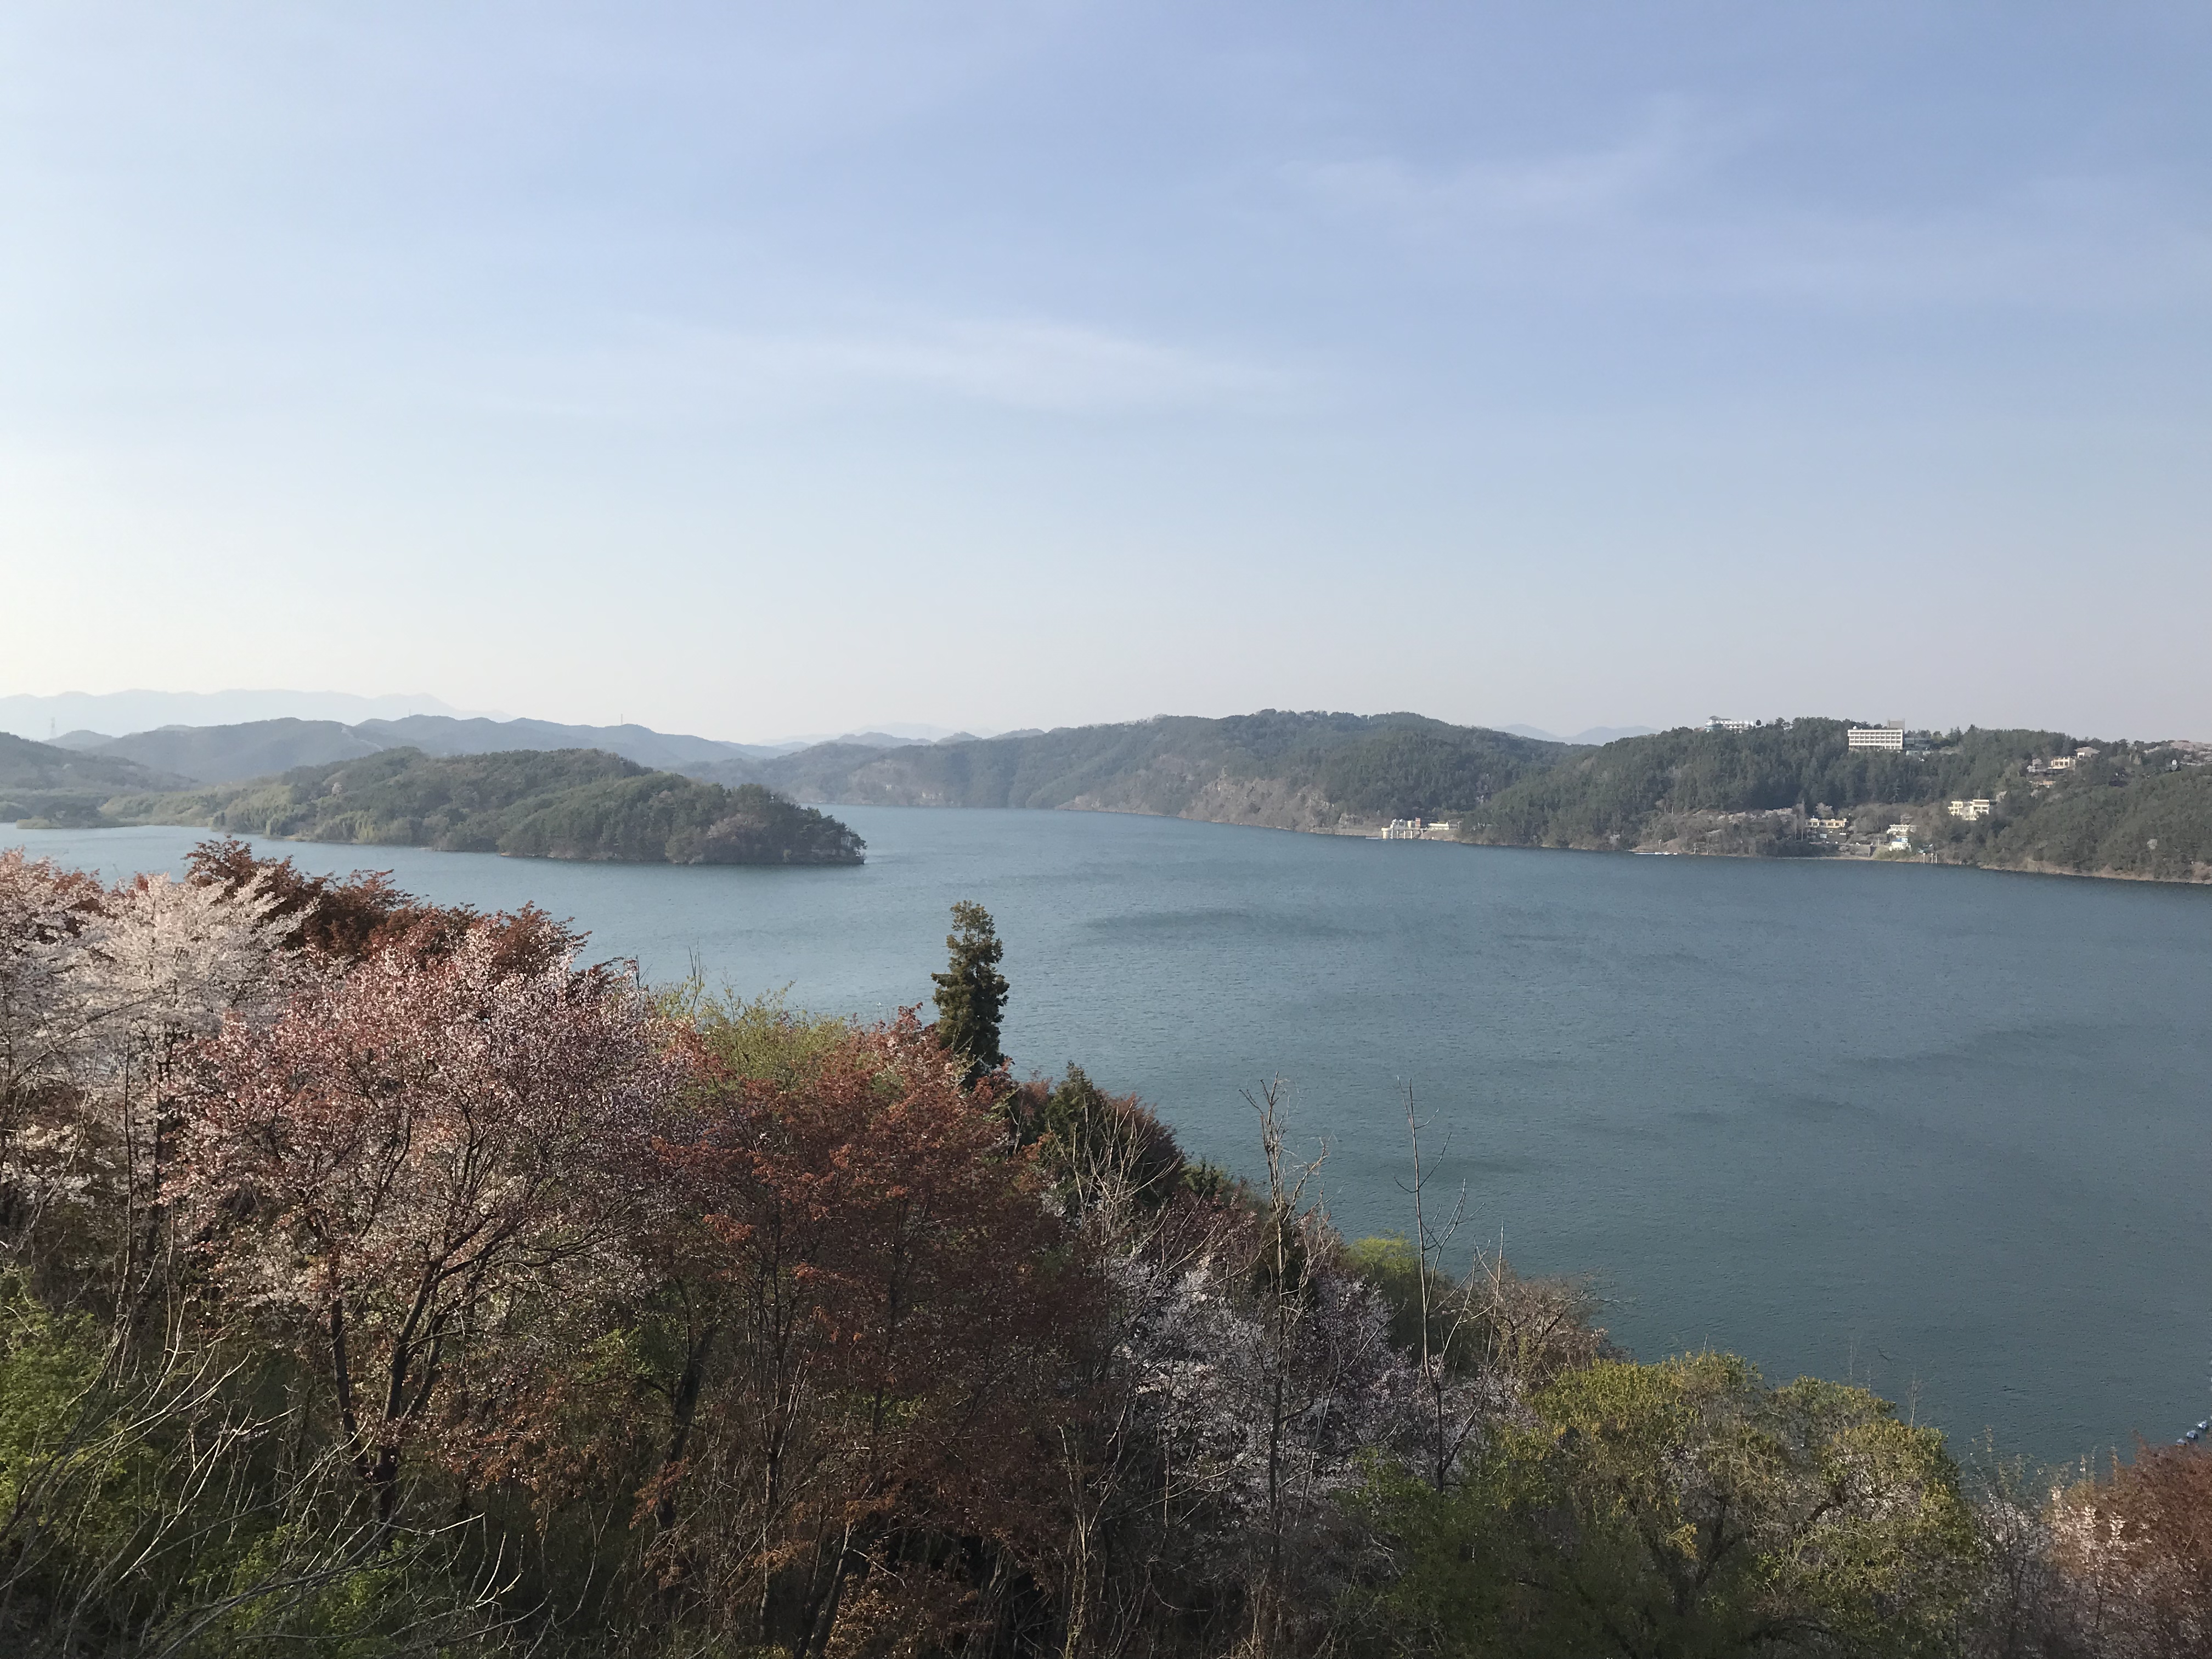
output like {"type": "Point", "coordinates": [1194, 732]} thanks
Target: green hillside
{"type": "Point", "coordinates": [39, 780]}
{"type": "Point", "coordinates": [1298, 771]}
{"type": "Point", "coordinates": [1696, 791]}
{"type": "Point", "coordinates": [562, 804]}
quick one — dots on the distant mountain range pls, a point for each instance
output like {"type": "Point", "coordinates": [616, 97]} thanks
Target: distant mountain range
{"type": "Point", "coordinates": [41, 718]}
{"type": "Point", "coordinates": [253, 749]}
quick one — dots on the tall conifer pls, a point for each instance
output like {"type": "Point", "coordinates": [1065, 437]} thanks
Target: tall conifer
{"type": "Point", "coordinates": [971, 991]}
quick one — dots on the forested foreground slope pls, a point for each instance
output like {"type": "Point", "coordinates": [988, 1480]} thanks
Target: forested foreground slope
{"type": "Point", "coordinates": [560, 804]}
{"type": "Point", "coordinates": [375, 1282]}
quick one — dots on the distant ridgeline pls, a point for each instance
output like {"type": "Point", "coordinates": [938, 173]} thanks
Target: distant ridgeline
{"type": "Point", "coordinates": [559, 803]}
{"type": "Point", "coordinates": [1282, 770]}
{"type": "Point", "coordinates": [2029, 799]}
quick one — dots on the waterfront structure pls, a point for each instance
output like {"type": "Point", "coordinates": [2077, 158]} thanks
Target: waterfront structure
{"type": "Point", "coordinates": [1889, 735]}
{"type": "Point", "coordinates": [1419, 829]}
{"type": "Point", "coordinates": [1901, 837]}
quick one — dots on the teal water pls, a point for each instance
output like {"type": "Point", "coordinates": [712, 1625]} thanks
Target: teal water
{"type": "Point", "coordinates": [1943, 1132]}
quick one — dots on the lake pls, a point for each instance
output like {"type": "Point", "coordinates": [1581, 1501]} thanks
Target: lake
{"type": "Point", "coordinates": [1942, 1132]}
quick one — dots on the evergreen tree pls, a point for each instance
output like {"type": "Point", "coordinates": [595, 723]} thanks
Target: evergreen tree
{"type": "Point", "coordinates": [971, 991]}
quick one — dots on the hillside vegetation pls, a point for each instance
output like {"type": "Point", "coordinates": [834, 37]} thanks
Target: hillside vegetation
{"type": "Point", "coordinates": [2129, 809]}
{"type": "Point", "coordinates": [60, 786]}
{"type": "Point", "coordinates": [1285, 770]}
{"type": "Point", "coordinates": [377, 1283]}
{"type": "Point", "coordinates": [561, 803]}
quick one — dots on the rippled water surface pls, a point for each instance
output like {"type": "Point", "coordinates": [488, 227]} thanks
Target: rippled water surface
{"type": "Point", "coordinates": [1946, 1132]}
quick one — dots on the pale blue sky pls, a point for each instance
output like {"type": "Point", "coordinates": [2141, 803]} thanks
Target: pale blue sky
{"type": "Point", "coordinates": [755, 369]}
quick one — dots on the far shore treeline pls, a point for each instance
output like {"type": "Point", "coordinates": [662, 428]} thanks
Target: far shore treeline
{"type": "Point", "coordinates": [2032, 799]}
{"type": "Point", "coordinates": [376, 1281]}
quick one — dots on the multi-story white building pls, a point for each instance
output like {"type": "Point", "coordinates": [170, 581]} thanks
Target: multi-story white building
{"type": "Point", "coordinates": [1888, 735]}
{"type": "Point", "coordinates": [1718, 723]}
{"type": "Point", "coordinates": [1971, 810]}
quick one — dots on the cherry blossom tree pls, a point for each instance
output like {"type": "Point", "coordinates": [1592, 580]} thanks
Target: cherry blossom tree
{"type": "Point", "coordinates": [414, 1164]}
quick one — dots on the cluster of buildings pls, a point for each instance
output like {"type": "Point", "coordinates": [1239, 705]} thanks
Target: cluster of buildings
{"type": "Point", "coordinates": [1890, 735]}
{"type": "Point", "coordinates": [1419, 829]}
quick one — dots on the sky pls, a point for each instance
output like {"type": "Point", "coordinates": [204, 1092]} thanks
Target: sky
{"type": "Point", "coordinates": [755, 369]}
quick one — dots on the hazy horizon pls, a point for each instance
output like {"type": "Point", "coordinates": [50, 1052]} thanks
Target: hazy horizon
{"type": "Point", "coordinates": [735, 369]}
{"type": "Point", "coordinates": [36, 717]}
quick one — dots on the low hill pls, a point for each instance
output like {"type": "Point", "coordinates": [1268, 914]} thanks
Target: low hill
{"type": "Point", "coordinates": [54, 785]}
{"type": "Point", "coordinates": [563, 804]}
{"type": "Point", "coordinates": [1284, 770]}
{"type": "Point", "coordinates": [223, 754]}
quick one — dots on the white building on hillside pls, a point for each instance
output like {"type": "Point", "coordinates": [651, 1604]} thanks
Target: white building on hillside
{"type": "Point", "coordinates": [1890, 734]}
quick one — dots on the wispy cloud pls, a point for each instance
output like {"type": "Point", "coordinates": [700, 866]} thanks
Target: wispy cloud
{"type": "Point", "coordinates": [1673, 206]}
{"type": "Point", "coordinates": [1024, 364]}
{"type": "Point", "coordinates": [1568, 187]}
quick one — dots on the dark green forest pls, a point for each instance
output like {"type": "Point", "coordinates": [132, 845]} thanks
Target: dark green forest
{"type": "Point", "coordinates": [561, 803]}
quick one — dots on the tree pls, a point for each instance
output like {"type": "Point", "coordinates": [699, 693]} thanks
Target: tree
{"type": "Point", "coordinates": [971, 993]}
{"type": "Point", "coordinates": [861, 1339]}
{"type": "Point", "coordinates": [405, 1174]}
{"type": "Point", "coordinates": [1687, 1510]}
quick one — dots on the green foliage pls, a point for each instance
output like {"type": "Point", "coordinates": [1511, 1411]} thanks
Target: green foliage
{"type": "Point", "coordinates": [760, 1038]}
{"type": "Point", "coordinates": [1393, 1267]}
{"type": "Point", "coordinates": [564, 804]}
{"type": "Point", "coordinates": [1685, 1510]}
{"type": "Point", "coordinates": [1096, 1144]}
{"type": "Point", "coordinates": [971, 991]}
{"type": "Point", "coordinates": [49, 1364]}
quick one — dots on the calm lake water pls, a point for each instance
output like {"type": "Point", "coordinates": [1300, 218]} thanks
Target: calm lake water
{"type": "Point", "coordinates": [1945, 1132]}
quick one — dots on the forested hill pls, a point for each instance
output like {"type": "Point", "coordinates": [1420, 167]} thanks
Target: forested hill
{"type": "Point", "coordinates": [1290, 771]}
{"type": "Point", "coordinates": [560, 804]}
{"type": "Point", "coordinates": [40, 780]}
{"type": "Point", "coordinates": [2056, 802]}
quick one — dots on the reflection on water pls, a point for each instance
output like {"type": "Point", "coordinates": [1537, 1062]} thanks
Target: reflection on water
{"type": "Point", "coordinates": [1946, 1132]}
